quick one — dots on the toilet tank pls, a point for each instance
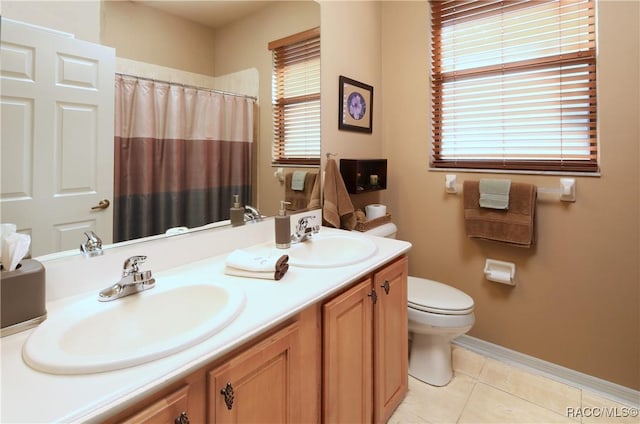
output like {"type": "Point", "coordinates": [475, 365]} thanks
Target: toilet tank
{"type": "Point", "coordinates": [388, 230]}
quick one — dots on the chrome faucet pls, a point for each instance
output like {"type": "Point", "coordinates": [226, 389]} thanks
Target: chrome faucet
{"type": "Point", "coordinates": [92, 246]}
{"type": "Point", "coordinates": [252, 214]}
{"type": "Point", "coordinates": [304, 231]}
{"type": "Point", "coordinates": [132, 281]}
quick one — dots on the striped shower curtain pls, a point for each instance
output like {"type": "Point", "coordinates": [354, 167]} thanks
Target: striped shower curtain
{"type": "Point", "coordinates": [181, 153]}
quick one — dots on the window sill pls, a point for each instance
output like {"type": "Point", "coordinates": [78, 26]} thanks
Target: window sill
{"type": "Point", "coordinates": [511, 171]}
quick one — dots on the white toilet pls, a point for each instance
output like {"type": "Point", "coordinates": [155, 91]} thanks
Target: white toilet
{"type": "Point", "coordinates": [438, 313]}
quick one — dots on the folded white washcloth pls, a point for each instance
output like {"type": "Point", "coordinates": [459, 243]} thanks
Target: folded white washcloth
{"type": "Point", "coordinates": [297, 180]}
{"type": "Point", "coordinates": [243, 260]}
{"type": "Point", "coordinates": [266, 275]}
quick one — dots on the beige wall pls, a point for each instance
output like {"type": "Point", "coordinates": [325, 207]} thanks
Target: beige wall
{"type": "Point", "coordinates": [577, 299]}
{"type": "Point", "coordinates": [351, 47]}
{"type": "Point", "coordinates": [244, 45]}
{"type": "Point", "coordinates": [79, 18]}
{"type": "Point", "coordinates": [145, 34]}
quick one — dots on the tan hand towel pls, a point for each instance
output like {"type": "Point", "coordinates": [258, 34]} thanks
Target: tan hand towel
{"type": "Point", "coordinates": [337, 209]}
{"type": "Point", "coordinates": [514, 226]}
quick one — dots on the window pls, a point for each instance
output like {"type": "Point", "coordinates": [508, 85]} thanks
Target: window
{"type": "Point", "coordinates": [296, 99]}
{"type": "Point", "coordinates": [514, 85]}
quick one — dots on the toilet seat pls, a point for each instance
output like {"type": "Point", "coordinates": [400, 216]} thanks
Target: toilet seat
{"type": "Point", "coordinates": [434, 297]}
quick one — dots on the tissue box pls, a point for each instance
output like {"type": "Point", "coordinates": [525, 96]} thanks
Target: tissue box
{"type": "Point", "coordinates": [22, 297]}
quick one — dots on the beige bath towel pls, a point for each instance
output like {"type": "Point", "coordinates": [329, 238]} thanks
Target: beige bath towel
{"type": "Point", "coordinates": [514, 226]}
{"type": "Point", "coordinates": [314, 201]}
{"type": "Point", "coordinates": [337, 209]}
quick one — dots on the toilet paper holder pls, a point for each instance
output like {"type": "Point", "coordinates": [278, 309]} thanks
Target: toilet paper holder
{"type": "Point", "coordinates": [500, 271]}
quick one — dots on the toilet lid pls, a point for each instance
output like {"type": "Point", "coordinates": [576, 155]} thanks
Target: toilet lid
{"type": "Point", "coordinates": [431, 296]}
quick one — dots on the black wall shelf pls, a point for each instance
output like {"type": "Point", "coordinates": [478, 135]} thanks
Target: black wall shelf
{"type": "Point", "coordinates": [364, 175]}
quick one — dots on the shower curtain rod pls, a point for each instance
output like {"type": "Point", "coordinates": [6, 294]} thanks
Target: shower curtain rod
{"type": "Point", "coordinates": [211, 90]}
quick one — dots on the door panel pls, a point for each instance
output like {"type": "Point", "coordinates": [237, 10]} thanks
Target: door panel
{"type": "Point", "coordinates": [57, 136]}
{"type": "Point", "coordinates": [391, 339]}
{"type": "Point", "coordinates": [259, 384]}
{"type": "Point", "coordinates": [347, 347]}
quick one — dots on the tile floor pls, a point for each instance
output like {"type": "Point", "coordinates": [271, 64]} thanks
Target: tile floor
{"type": "Point", "coordinates": [485, 391]}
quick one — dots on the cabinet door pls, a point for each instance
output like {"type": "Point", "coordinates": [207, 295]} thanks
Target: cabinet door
{"type": "Point", "coordinates": [347, 358]}
{"type": "Point", "coordinates": [259, 384]}
{"type": "Point", "coordinates": [167, 410]}
{"type": "Point", "coordinates": [390, 339]}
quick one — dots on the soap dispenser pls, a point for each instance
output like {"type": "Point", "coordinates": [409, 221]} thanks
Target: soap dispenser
{"type": "Point", "coordinates": [237, 212]}
{"type": "Point", "coordinates": [283, 227]}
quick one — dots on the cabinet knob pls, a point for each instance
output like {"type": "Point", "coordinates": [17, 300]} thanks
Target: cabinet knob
{"type": "Point", "coordinates": [385, 286]}
{"type": "Point", "coordinates": [227, 392]}
{"type": "Point", "coordinates": [374, 296]}
{"type": "Point", "coordinates": [182, 418]}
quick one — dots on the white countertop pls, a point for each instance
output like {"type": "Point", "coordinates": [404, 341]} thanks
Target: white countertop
{"type": "Point", "coordinates": [35, 397]}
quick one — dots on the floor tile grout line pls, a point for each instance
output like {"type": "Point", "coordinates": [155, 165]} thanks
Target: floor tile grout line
{"type": "Point", "coordinates": [466, 402]}
{"type": "Point", "coordinates": [476, 380]}
{"type": "Point", "coordinates": [511, 367]}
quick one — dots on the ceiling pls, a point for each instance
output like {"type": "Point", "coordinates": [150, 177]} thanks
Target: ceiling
{"type": "Point", "coordinates": [211, 13]}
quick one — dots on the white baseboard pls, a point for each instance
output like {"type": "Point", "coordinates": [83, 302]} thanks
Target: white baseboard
{"type": "Point", "coordinates": [606, 389]}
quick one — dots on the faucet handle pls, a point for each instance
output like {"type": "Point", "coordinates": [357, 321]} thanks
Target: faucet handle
{"type": "Point", "coordinates": [92, 246]}
{"type": "Point", "coordinates": [130, 265]}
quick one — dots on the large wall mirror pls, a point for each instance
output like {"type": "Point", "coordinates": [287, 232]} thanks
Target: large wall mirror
{"type": "Point", "coordinates": [181, 41]}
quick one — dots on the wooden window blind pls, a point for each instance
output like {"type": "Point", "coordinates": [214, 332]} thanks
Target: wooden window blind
{"type": "Point", "coordinates": [296, 98]}
{"type": "Point", "coordinates": [514, 85]}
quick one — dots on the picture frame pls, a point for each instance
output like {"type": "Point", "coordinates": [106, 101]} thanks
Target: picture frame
{"type": "Point", "coordinates": [355, 105]}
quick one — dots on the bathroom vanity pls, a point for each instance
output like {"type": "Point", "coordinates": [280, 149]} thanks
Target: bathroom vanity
{"type": "Point", "coordinates": [302, 349]}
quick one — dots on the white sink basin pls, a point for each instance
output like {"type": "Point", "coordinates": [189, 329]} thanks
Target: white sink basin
{"type": "Point", "coordinates": [91, 336]}
{"type": "Point", "coordinates": [331, 250]}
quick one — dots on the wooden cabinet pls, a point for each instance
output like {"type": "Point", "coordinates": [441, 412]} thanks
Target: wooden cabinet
{"type": "Point", "coordinates": [342, 361]}
{"type": "Point", "coordinates": [276, 379]}
{"type": "Point", "coordinates": [348, 360]}
{"type": "Point", "coordinates": [365, 348]}
{"type": "Point", "coordinates": [172, 408]}
{"type": "Point", "coordinates": [390, 339]}
{"type": "Point", "coordinates": [259, 385]}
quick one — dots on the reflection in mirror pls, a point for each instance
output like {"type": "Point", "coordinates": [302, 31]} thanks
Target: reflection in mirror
{"type": "Point", "coordinates": [181, 154]}
{"type": "Point", "coordinates": [230, 56]}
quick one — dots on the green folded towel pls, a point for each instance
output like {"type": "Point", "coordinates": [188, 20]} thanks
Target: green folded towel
{"type": "Point", "coordinates": [494, 194]}
{"type": "Point", "coordinates": [297, 181]}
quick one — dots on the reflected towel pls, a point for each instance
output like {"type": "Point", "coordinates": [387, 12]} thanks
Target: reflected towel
{"type": "Point", "coordinates": [299, 199]}
{"type": "Point", "coordinates": [297, 180]}
{"type": "Point", "coordinates": [314, 201]}
{"type": "Point", "coordinates": [494, 194]}
{"type": "Point", "coordinates": [514, 226]}
{"type": "Point", "coordinates": [337, 209]}
{"type": "Point", "coordinates": [243, 260]}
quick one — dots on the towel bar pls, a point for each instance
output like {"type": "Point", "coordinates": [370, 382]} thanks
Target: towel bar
{"type": "Point", "coordinates": [567, 190]}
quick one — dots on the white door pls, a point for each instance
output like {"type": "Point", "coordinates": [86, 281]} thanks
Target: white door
{"type": "Point", "coordinates": [57, 100]}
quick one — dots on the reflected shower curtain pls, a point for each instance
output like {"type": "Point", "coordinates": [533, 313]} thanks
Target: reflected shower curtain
{"type": "Point", "coordinates": [181, 153]}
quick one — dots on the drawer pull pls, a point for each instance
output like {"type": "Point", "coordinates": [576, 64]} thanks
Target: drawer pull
{"type": "Point", "coordinates": [385, 286]}
{"type": "Point", "coordinates": [227, 392]}
{"type": "Point", "coordinates": [182, 418]}
{"type": "Point", "coordinates": [374, 296]}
